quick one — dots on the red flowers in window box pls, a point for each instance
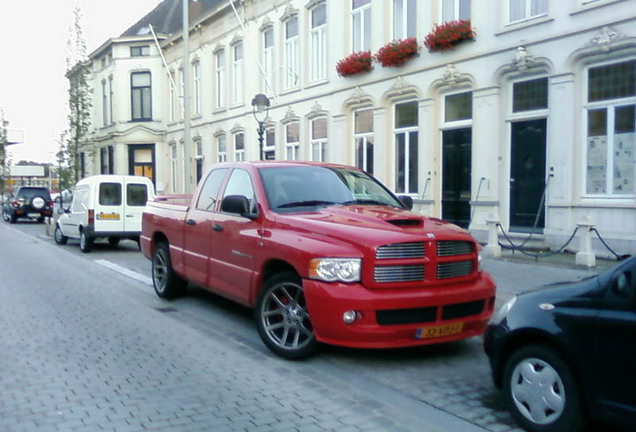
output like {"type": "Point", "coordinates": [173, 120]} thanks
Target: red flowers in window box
{"type": "Point", "coordinates": [398, 52]}
{"type": "Point", "coordinates": [355, 63]}
{"type": "Point", "coordinates": [447, 35]}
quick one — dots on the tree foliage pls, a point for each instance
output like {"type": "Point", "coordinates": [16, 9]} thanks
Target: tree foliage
{"type": "Point", "coordinates": [79, 101]}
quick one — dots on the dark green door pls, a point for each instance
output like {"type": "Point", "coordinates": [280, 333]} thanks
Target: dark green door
{"type": "Point", "coordinates": [456, 160]}
{"type": "Point", "coordinates": [527, 175]}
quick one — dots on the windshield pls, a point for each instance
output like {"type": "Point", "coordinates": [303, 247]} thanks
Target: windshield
{"type": "Point", "coordinates": [294, 188]}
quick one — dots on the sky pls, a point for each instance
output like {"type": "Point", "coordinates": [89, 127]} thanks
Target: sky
{"type": "Point", "coordinates": [33, 89]}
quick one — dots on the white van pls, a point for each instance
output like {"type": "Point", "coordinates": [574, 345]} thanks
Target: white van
{"type": "Point", "coordinates": [104, 206]}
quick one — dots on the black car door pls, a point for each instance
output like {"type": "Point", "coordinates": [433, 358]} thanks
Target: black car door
{"type": "Point", "coordinates": [615, 350]}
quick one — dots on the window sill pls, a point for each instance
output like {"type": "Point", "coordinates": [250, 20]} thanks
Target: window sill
{"type": "Point", "coordinates": [317, 83]}
{"type": "Point", "coordinates": [582, 8]}
{"type": "Point", "coordinates": [509, 28]}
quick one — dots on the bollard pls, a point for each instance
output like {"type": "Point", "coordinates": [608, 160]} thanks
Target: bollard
{"type": "Point", "coordinates": [585, 256]}
{"type": "Point", "coordinates": [492, 249]}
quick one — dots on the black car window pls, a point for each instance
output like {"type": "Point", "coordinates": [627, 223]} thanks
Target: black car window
{"type": "Point", "coordinates": [29, 193]}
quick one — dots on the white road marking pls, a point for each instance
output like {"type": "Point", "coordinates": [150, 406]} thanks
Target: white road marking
{"type": "Point", "coordinates": [126, 272]}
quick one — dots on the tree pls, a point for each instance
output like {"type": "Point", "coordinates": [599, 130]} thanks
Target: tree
{"type": "Point", "coordinates": [80, 102]}
{"type": "Point", "coordinates": [3, 150]}
{"type": "Point", "coordinates": [64, 172]}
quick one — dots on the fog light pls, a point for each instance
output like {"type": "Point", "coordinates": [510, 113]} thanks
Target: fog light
{"type": "Point", "coordinates": [349, 316]}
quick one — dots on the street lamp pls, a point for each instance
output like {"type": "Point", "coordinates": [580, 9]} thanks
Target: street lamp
{"type": "Point", "coordinates": [260, 109]}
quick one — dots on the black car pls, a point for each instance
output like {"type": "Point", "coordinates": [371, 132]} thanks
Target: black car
{"type": "Point", "coordinates": [28, 202]}
{"type": "Point", "coordinates": [567, 353]}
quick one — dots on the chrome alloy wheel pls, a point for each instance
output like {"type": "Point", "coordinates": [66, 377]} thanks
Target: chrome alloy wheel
{"type": "Point", "coordinates": [285, 318]}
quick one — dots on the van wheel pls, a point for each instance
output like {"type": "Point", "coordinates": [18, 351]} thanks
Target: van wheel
{"type": "Point", "coordinates": [166, 282]}
{"type": "Point", "coordinates": [60, 238]}
{"type": "Point", "coordinates": [113, 241]}
{"type": "Point", "coordinates": [86, 243]}
{"type": "Point", "coordinates": [282, 319]}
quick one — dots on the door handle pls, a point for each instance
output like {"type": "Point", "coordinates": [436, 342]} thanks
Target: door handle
{"type": "Point", "coordinates": [217, 227]}
{"type": "Point", "coordinates": [191, 222]}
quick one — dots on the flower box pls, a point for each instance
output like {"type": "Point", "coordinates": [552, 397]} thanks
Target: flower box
{"type": "Point", "coordinates": [446, 36]}
{"type": "Point", "coordinates": [355, 63]}
{"type": "Point", "coordinates": [398, 52]}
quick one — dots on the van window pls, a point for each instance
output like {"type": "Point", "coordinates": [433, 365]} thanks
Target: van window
{"type": "Point", "coordinates": [136, 194]}
{"type": "Point", "coordinates": [110, 194]}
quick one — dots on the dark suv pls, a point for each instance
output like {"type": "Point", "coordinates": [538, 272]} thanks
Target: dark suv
{"type": "Point", "coordinates": [28, 202]}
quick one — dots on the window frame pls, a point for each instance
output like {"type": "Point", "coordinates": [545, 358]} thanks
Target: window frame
{"type": "Point", "coordinates": [405, 25]}
{"type": "Point", "coordinates": [361, 17]}
{"type": "Point", "coordinates": [528, 16]}
{"type": "Point", "coordinates": [141, 91]}
{"type": "Point", "coordinates": [318, 142]}
{"type": "Point", "coordinates": [318, 38]}
{"type": "Point", "coordinates": [292, 54]}
{"type": "Point", "coordinates": [407, 131]}
{"type": "Point", "coordinates": [364, 140]}
{"type": "Point", "coordinates": [268, 60]}
{"type": "Point", "coordinates": [238, 81]}
{"type": "Point", "coordinates": [219, 78]}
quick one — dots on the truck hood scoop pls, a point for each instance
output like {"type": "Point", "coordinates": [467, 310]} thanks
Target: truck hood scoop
{"type": "Point", "coordinates": [407, 223]}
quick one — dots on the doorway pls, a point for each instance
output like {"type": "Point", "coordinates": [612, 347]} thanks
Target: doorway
{"type": "Point", "coordinates": [527, 175]}
{"type": "Point", "coordinates": [456, 176]}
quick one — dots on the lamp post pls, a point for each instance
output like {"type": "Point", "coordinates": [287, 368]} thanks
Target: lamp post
{"type": "Point", "coordinates": [260, 109]}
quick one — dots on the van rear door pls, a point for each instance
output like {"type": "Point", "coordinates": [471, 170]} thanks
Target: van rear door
{"type": "Point", "coordinates": [137, 193]}
{"type": "Point", "coordinates": [109, 207]}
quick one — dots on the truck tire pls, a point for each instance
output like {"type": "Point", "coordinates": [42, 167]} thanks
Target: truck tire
{"type": "Point", "coordinates": [60, 238]}
{"type": "Point", "coordinates": [282, 319]}
{"type": "Point", "coordinates": [165, 281]}
{"type": "Point", "coordinates": [86, 243]}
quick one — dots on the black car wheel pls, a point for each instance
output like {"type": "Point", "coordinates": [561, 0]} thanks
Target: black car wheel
{"type": "Point", "coordinates": [86, 243]}
{"type": "Point", "coordinates": [282, 318]}
{"type": "Point", "coordinates": [541, 391]}
{"type": "Point", "coordinates": [60, 238]}
{"type": "Point", "coordinates": [166, 282]}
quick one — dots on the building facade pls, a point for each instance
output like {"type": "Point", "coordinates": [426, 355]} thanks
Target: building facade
{"type": "Point", "coordinates": [530, 121]}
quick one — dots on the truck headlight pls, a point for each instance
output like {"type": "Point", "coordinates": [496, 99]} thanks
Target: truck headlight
{"type": "Point", "coordinates": [335, 269]}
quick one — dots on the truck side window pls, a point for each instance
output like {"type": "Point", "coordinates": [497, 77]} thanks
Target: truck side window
{"type": "Point", "coordinates": [110, 194]}
{"type": "Point", "coordinates": [241, 184]}
{"type": "Point", "coordinates": [136, 194]}
{"type": "Point", "coordinates": [210, 189]}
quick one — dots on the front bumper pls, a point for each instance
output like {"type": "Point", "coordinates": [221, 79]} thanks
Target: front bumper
{"type": "Point", "coordinates": [410, 311]}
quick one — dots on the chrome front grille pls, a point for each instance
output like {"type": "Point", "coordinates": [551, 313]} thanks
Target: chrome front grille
{"type": "Point", "coordinates": [400, 250]}
{"type": "Point", "coordinates": [453, 248]}
{"type": "Point", "coordinates": [454, 269]}
{"type": "Point", "coordinates": [399, 273]}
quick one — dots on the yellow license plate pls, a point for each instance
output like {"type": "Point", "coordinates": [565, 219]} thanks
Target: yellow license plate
{"type": "Point", "coordinates": [439, 331]}
{"type": "Point", "coordinates": [106, 216]}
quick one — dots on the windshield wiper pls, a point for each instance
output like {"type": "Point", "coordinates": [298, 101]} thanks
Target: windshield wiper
{"type": "Point", "coordinates": [366, 202]}
{"type": "Point", "coordinates": [313, 203]}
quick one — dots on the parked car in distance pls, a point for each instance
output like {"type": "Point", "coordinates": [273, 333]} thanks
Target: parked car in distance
{"type": "Point", "coordinates": [323, 253]}
{"type": "Point", "coordinates": [567, 353]}
{"type": "Point", "coordinates": [28, 202]}
{"type": "Point", "coordinates": [104, 206]}
{"type": "Point", "coordinates": [65, 196]}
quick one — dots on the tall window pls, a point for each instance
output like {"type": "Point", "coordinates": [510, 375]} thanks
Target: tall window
{"type": "Point", "coordinates": [173, 167]}
{"type": "Point", "coordinates": [221, 148]}
{"type": "Point", "coordinates": [199, 159]}
{"type": "Point", "coordinates": [611, 129]}
{"type": "Point", "coordinates": [141, 96]}
{"type": "Point", "coordinates": [268, 60]}
{"type": "Point", "coordinates": [239, 146]}
{"type": "Point", "coordinates": [453, 10]}
{"type": "Point", "coordinates": [196, 84]}
{"type": "Point", "coordinates": [105, 104]}
{"type": "Point", "coordinates": [269, 149]}
{"type": "Point", "coordinates": [291, 52]}
{"type": "Point", "coordinates": [174, 98]}
{"type": "Point", "coordinates": [363, 138]}
{"type": "Point", "coordinates": [404, 18]}
{"type": "Point", "coordinates": [406, 136]}
{"type": "Point", "coordinates": [319, 42]}
{"type": "Point", "coordinates": [292, 141]}
{"type": "Point", "coordinates": [110, 99]}
{"type": "Point", "coordinates": [103, 160]}
{"type": "Point", "coordinates": [523, 10]}
{"type": "Point", "coordinates": [182, 92]}
{"type": "Point", "coordinates": [237, 73]}
{"type": "Point", "coordinates": [219, 81]}
{"type": "Point", "coordinates": [319, 139]}
{"type": "Point", "coordinates": [361, 25]}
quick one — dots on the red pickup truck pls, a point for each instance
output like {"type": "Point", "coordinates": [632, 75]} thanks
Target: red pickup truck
{"type": "Point", "coordinates": [323, 253]}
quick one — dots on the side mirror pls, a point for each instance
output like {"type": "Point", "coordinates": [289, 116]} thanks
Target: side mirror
{"type": "Point", "coordinates": [238, 204]}
{"type": "Point", "coordinates": [407, 201]}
